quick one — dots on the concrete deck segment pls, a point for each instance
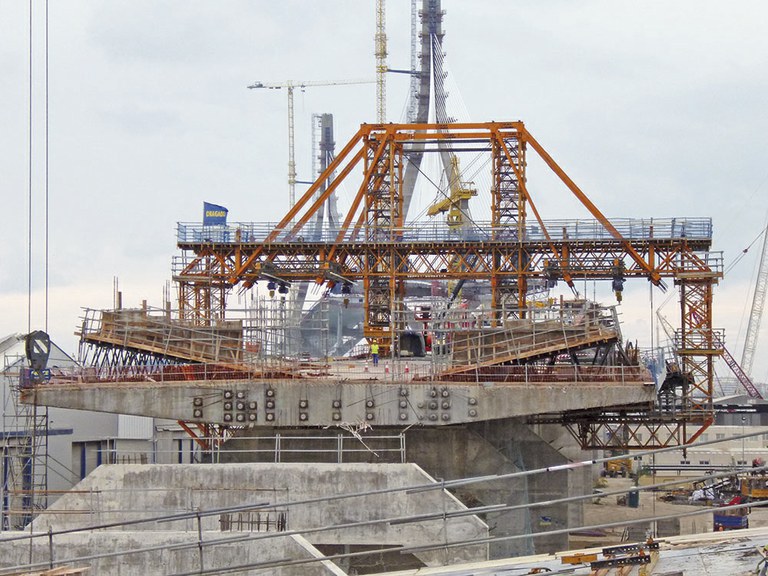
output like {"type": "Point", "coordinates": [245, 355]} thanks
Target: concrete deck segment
{"type": "Point", "coordinates": [322, 403]}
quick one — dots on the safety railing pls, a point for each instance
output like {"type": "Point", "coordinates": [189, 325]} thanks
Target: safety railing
{"type": "Point", "coordinates": [437, 231]}
{"type": "Point", "coordinates": [535, 339]}
{"type": "Point", "coordinates": [104, 505]}
{"type": "Point", "coordinates": [354, 444]}
{"type": "Point", "coordinates": [395, 370]}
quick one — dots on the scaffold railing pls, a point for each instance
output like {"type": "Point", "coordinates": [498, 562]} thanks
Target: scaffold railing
{"type": "Point", "coordinates": [438, 231]}
{"type": "Point", "coordinates": [416, 371]}
{"type": "Point", "coordinates": [435, 342]}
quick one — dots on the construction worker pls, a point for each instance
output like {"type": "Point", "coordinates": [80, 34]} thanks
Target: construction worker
{"type": "Point", "coordinates": [375, 352]}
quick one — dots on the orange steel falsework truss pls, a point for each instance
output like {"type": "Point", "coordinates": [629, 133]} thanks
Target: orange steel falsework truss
{"type": "Point", "coordinates": [376, 246]}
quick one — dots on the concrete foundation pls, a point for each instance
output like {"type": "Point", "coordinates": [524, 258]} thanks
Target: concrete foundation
{"type": "Point", "coordinates": [116, 493]}
{"type": "Point", "coordinates": [485, 448]}
{"type": "Point", "coordinates": [164, 553]}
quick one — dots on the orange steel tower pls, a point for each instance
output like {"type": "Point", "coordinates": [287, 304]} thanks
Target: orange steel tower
{"type": "Point", "coordinates": [376, 246]}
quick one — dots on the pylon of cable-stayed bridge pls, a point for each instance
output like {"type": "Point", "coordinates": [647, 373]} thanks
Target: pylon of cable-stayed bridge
{"type": "Point", "coordinates": [427, 95]}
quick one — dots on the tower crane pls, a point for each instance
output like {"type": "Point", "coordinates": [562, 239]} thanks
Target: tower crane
{"type": "Point", "coordinates": [380, 41]}
{"type": "Point", "coordinates": [758, 303]}
{"type": "Point", "coordinates": [289, 86]}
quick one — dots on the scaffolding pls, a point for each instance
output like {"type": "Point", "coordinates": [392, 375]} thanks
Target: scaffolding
{"type": "Point", "coordinates": [24, 448]}
{"type": "Point", "coordinates": [442, 343]}
{"type": "Point", "coordinates": [269, 336]}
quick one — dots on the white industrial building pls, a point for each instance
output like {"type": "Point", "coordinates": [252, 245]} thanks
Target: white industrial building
{"type": "Point", "coordinates": [48, 450]}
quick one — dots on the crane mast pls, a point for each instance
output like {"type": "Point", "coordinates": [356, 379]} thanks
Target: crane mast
{"type": "Point", "coordinates": [380, 40]}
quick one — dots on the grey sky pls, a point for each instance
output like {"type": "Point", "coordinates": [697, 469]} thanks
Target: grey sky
{"type": "Point", "coordinates": [654, 108]}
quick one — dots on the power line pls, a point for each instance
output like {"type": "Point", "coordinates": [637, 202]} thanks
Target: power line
{"type": "Point", "coordinates": [46, 169]}
{"type": "Point", "coordinates": [744, 252]}
{"type": "Point", "coordinates": [29, 182]}
{"type": "Point", "coordinates": [397, 520]}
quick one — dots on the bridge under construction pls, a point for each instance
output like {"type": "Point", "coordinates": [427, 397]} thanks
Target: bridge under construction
{"type": "Point", "coordinates": [491, 363]}
{"type": "Point", "coordinates": [475, 356]}
{"type": "Point", "coordinates": [508, 341]}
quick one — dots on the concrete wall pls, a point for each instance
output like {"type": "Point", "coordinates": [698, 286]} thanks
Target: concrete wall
{"type": "Point", "coordinates": [123, 492]}
{"type": "Point", "coordinates": [728, 452]}
{"type": "Point", "coordinates": [496, 447]}
{"type": "Point", "coordinates": [169, 552]}
{"type": "Point", "coordinates": [501, 447]}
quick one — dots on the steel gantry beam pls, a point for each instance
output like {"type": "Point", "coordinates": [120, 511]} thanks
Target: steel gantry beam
{"type": "Point", "coordinates": [376, 246]}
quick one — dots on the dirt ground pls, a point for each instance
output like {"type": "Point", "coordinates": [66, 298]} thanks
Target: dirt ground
{"type": "Point", "coordinates": [606, 510]}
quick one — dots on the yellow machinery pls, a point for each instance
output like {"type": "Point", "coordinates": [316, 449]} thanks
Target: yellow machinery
{"type": "Point", "coordinates": [457, 202]}
{"type": "Point", "coordinates": [755, 487]}
{"type": "Point", "coordinates": [615, 468]}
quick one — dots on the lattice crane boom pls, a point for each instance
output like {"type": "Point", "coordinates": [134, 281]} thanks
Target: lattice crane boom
{"type": "Point", "coordinates": [756, 314]}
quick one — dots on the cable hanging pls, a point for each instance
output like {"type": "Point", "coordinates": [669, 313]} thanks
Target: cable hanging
{"type": "Point", "coordinates": [29, 180]}
{"type": "Point", "coordinates": [47, 243]}
{"type": "Point", "coordinates": [744, 251]}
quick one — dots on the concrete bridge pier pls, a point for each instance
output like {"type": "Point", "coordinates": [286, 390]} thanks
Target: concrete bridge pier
{"type": "Point", "coordinates": [476, 449]}
{"type": "Point", "coordinates": [501, 447]}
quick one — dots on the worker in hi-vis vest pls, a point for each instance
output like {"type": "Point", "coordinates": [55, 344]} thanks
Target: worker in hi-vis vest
{"type": "Point", "coordinates": [375, 352]}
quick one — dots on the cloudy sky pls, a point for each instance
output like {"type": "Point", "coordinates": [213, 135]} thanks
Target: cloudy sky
{"type": "Point", "coordinates": [655, 108]}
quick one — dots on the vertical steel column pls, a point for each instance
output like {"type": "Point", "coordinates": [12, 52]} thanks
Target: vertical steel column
{"type": "Point", "coordinates": [508, 215]}
{"type": "Point", "coordinates": [203, 301]}
{"type": "Point", "coordinates": [697, 343]}
{"type": "Point", "coordinates": [383, 230]}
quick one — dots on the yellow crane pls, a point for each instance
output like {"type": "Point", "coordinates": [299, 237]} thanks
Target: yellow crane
{"type": "Point", "coordinates": [289, 86]}
{"type": "Point", "coordinates": [380, 41]}
{"type": "Point", "coordinates": [456, 204]}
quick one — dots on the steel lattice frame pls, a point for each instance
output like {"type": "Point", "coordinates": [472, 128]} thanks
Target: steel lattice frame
{"type": "Point", "coordinates": [508, 214]}
{"type": "Point", "coordinates": [111, 361]}
{"type": "Point", "coordinates": [383, 289]}
{"type": "Point", "coordinates": [201, 298]}
{"type": "Point", "coordinates": [372, 246]}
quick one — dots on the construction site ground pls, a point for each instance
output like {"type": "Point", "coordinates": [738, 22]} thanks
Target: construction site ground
{"type": "Point", "coordinates": [606, 510]}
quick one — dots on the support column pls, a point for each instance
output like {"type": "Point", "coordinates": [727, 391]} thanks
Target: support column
{"type": "Point", "coordinates": [383, 228]}
{"type": "Point", "coordinates": [508, 214]}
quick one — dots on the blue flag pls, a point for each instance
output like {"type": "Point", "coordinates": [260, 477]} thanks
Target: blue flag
{"type": "Point", "coordinates": [214, 214]}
